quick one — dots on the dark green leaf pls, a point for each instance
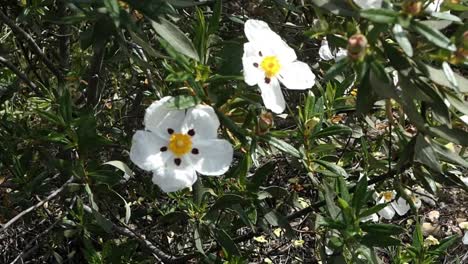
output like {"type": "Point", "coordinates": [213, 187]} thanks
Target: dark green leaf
{"type": "Point", "coordinates": [433, 35]}
{"type": "Point", "coordinates": [385, 16]}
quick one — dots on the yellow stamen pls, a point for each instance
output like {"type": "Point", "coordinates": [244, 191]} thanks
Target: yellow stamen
{"type": "Point", "coordinates": [271, 66]}
{"type": "Point", "coordinates": [180, 144]}
{"type": "Point", "coordinates": [388, 196]}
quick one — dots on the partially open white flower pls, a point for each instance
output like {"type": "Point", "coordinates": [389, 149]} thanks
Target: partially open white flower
{"type": "Point", "coordinates": [369, 4]}
{"type": "Point", "coordinates": [326, 53]}
{"type": "Point", "coordinates": [400, 206]}
{"type": "Point", "coordinates": [268, 60]}
{"type": "Point", "coordinates": [176, 144]}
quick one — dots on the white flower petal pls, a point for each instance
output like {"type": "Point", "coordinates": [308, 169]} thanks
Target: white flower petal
{"type": "Point", "coordinates": [341, 54]}
{"type": "Point", "coordinates": [465, 238]}
{"type": "Point", "coordinates": [159, 118]}
{"type": "Point", "coordinates": [171, 180]}
{"type": "Point", "coordinates": [272, 95]}
{"type": "Point", "coordinates": [434, 6]}
{"type": "Point", "coordinates": [372, 217]}
{"type": "Point", "coordinates": [387, 212]}
{"type": "Point", "coordinates": [268, 42]}
{"type": "Point", "coordinates": [204, 122]}
{"type": "Point", "coordinates": [401, 206]}
{"type": "Point", "coordinates": [369, 4]}
{"type": "Point", "coordinates": [214, 156]}
{"type": "Point", "coordinates": [325, 52]}
{"type": "Point", "coordinates": [251, 63]}
{"type": "Point", "coordinates": [145, 151]}
{"type": "Point", "coordinates": [297, 76]}
{"type": "Point", "coordinates": [255, 30]}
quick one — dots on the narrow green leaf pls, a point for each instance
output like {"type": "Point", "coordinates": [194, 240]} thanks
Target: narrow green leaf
{"type": "Point", "coordinates": [385, 16]}
{"type": "Point", "coordinates": [433, 35]}
{"type": "Point", "coordinates": [332, 167]}
{"type": "Point", "coordinates": [175, 37]}
{"type": "Point", "coordinates": [402, 39]}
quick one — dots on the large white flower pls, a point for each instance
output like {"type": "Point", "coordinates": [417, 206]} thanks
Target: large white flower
{"type": "Point", "coordinates": [369, 4]}
{"type": "Point", "coordinates": [326, 53]}
{"type": "Point", "coordinates": [268, 60]}
{"type": "Point", "coordinates": [176, 144]}
{"type": "Point", "coordinates": [400, 206]}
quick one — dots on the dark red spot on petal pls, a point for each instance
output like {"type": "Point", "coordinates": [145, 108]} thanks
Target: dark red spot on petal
{"type": "Point", "coordinates": [255, 65]}
{"type": "Point", "coordinates": [195, 151]}
{"type": "Point", "coordinates": [260, 54]}
{"type": "Point", "coordinates": [267, 80]}
{"type": "Point", "coordinates": [170, 131]}
{"type": "Point", "coordinates": [177, 161]}
{"type": "Point", "coordinates": [191, 132]}
{"type": "Point", "coordinates": [162, 149]}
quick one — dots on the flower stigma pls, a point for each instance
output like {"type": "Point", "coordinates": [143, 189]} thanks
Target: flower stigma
{"type": "Point", "coordinates": [180, 144]}
{"type": "Point", "coordinates": [271, 66]}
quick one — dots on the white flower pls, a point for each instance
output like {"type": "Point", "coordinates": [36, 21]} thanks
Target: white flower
{"type": "Point", "coordinates": [434, 6]}
{"type": "Point", "coordinates": [176, 144]}
{"type": "Point", "coordinates": [369, 4]}
{"type": "Point", "coordinates": [372, 217]}
{"type": "Point", "coordinates": [465, 238]}
{"type": "Point", "coordinates": [326, 54]}
{"type": "Point", "coordinates": [400, 206]}
{"type": "Point", "coordinates": [268, 60]}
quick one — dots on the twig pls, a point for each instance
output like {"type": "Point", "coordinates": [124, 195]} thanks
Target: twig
{"type": "Point", "coordinates": [39, 204]}
{"type": "Point", "coordinates": [35, 48]}
{"type": "Point", "coordinates": [29, 246]}
{"type": "Point", "coordinates": [18, 73]}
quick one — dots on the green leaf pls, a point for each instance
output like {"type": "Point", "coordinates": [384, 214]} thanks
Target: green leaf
{"type": "Point", "coordinates": [282, 145]}
{"type": "Point", "coordinates": [113, 8]}
{"type": "Point", "coordinates": [445, 243]}
{"type": "Point", "coordinates": [260, 175]}
{"type": "Point", "coordinates": [182, 102]}
{"type": "Point", "coordinates": [360, 194]}
{"type": "Point", "coordinates": [454, 135]}
{"type": "Point", "coordinates": [438, 76]}
{"type": "Point", "coordinates": [336, 69]}
{"type": "Point", "coordinates": [450, 74]}
{"type": "Point", "coordinates": [332, 167]}
{"type": "Point", "coordinates": [336, 7]}
{"type": "Point", "coordinates": [402, 39]}
{"type": "Point", "coordinates": [385, 16]}
{"type": "Point", "coordinates": [175, 37]}
{"type": "Point", "coordinates": [424, 153]}
{"type": "Point", "coordinates": [226, 201]}
{"type": "Point", "coordinates": [382, 229]}
{"type": "Point", "coordinates": [418, 239]}
{"type": "Point", "coordinates": [449, 156]}
{"type": "Point", "coordinates": [121, 166]}
{"type": "Point", "coordinates": [373, 210]}
{"type": "Point", "coordinates": [333, 131]}
{"type": "Point", "coordinates": [226, 242]}
{"type": "Point", "coordinates": [372, 240]}
{"type": "Point", "coordinates": [433, 35]}
{"type": "Point", "coordinates": [446, 16]}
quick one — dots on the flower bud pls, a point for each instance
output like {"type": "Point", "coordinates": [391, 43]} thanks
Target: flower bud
{"type": "Point", "coordinates": [265, 122]}
{"type": "Point", "coordinates": [357, 46]}
{"type": "Point", "coordinates": [311, 124]}
{"type": "Point", "coordinates": [412, 7]}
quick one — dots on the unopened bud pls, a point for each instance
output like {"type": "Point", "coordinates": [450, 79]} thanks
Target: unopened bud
{"type": "Point", "coordinates": [412, 7]}
{"type": "Point", "coordinates": [357, 46]}
{"type": "Point", "coordinates": [265, 122]}
{"type": "Point", "coordinates": [311, 124]}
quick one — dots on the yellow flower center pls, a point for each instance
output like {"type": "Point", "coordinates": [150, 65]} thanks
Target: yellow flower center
{"type": "Point", "coordinates": [180, 144]}
{"type": "Point", "coordinates": [271, 66]}
{"type": "Point", "coordinates": [388, 196]}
